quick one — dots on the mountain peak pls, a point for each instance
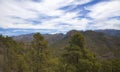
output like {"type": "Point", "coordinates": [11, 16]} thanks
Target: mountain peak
{"type": "Point", "coordinates": [71, 33]}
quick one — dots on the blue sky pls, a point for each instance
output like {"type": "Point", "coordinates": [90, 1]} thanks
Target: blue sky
{"type": "Point", "coordinates": [57, 16]}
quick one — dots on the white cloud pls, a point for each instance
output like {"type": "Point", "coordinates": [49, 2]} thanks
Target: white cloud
{"type": "Point", "coordinates": [30, 10]}
{"type": "Point", "coordinates": [14, 9]}
{"type": "Point", "coordinates": [102, 12]}
{"type": "Point", "coordinates": [105, 10]}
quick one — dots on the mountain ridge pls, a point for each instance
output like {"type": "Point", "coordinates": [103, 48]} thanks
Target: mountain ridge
{"type": "Point", "coordinates": [104, 45]}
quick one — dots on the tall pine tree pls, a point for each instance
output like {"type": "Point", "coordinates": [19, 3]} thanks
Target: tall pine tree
{"type": "Point", "coordinates": [40, 54]}
{"type": "Point", "coordinates": [77, 58]}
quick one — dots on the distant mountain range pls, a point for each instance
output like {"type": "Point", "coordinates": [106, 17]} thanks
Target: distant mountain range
{"type": "Point", "coordinates": [104, 43]}
{"type": "Point", "coordinates": [51, 38]}
{"type": "Point", "coordinates": [111, 32]}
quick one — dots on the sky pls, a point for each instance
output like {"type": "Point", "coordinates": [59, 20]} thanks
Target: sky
{"type": "Point", "coordinates": [57, 16]}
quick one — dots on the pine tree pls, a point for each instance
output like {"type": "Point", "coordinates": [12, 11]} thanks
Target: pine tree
{"type": "Point", "coordinates": [40, 54]}
{"type": "Point", "coordinates": [77, 58]}
{"type": "Point", "coordinates": [14, 60]}
{"type": "Point", "coordinates": [9, 52]}
{"type": "Point", "coordinates": [112, 65]}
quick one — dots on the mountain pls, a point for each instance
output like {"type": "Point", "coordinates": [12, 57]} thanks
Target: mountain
{"type": "Point", "coordinates": [51, 38]}
{"type": "Point", "coordinates": [27, 38]}
{"type": "Point", "coordinates": [111, 32]}
{"type": "Point", "coordinates": [103, 43]}
{"type": "Point", "coordinates": [104, 46]}
{"type": "Point", "coordinates": [24, 38]}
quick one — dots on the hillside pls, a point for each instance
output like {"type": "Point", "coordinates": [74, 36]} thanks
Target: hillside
{"type": "Point", "coordinates": [105, 46]}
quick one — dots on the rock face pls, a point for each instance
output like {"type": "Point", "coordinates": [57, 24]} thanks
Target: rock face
{"type": "Point", "coordinates": [24, 38]}
{"type": "Point", "coordinates": [52, 38]}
